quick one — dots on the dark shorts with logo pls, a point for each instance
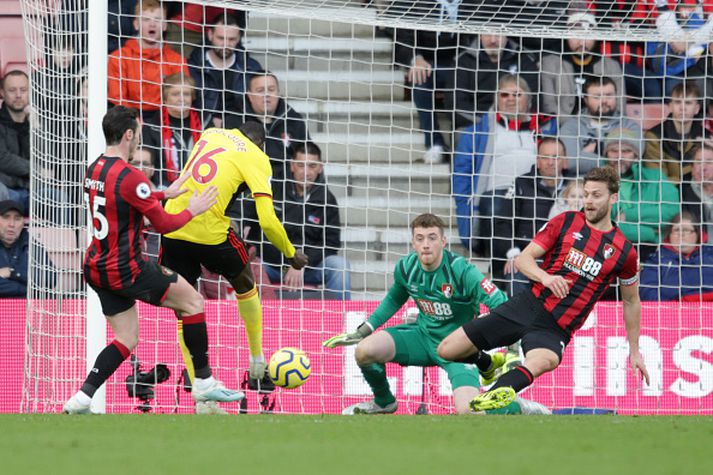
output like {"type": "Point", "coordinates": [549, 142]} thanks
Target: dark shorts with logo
{"type": "Point", "coordinates": [228, 258]}
{"type": "Point", "coordinates": [151, 286]}
{"type": "Point", "coordinates": [521, 318]}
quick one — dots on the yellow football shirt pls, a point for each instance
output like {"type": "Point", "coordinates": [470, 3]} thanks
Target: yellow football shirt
{"type": "Point", "coordinates": [225, 159]}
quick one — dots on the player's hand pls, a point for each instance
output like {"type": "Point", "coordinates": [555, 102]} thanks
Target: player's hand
{"type": "Point", "coordinates": [347, 339]}
{"type": "Point", "coordinates": [299, 260]}
{"type": "Point", "coordinates": [257, 367]}
{"type": "Point", "coordinates": [200, 203]}
{"type": "Point", "coordinates": [175, 188]}
{"type": "Point", "coordinates": [420, 71]}
{"type": "Point", "coordinates": [637, 363]}
{"type": "Point", "coordinates": [5, 272]}
{"type": "Point", "coordinates": [294, 278]}
{"type": "Point", "coordinates": [557, 284]}
{"type": "Point", "coordinates": [510, 267]}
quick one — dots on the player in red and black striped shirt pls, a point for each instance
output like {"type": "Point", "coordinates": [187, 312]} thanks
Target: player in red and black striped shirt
{"type": "Point", "coordinates": [582, 252]}
{"type": "Point", "coordinates": [119, 197]}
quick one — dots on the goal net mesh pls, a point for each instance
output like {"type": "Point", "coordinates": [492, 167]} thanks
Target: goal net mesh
{"type": "Point", "coordinates": [355, 79]}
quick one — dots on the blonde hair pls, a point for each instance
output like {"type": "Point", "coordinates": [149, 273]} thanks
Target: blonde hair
{"type": "Point", "coordinates": [178, 79]}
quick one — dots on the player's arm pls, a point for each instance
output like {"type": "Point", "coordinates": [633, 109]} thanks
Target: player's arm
{"type": "Point", "coordinates": [527, 264]}
{"type": "Point", "coordinates": [394, 300]}
{"type": "Point", "coordinates": [481, 289]}
{"type": "Point", "coordinates": [272, 227]}
{"type": "Point", "coordinates": [632, 321]}
{"type": "Point", "coordinates": [135, 189]}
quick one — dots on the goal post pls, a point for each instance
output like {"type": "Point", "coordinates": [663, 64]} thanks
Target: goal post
{"type": "Point", "coordinates": [342, 67]}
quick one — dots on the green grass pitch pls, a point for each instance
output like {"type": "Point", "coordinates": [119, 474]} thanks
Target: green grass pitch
{"type": "Point", "coordinates": [278, 444]}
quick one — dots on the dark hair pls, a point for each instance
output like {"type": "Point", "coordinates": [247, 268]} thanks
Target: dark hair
{"type": "Point", "coordinates": [261, 74]}
{"type": "Point", "coordinates": [686, 89]}
{"type": "Point", "coordinates": [552, 139]}
{"type": "Point", "coordinates": [253, 131]}
{"type": "Point", "coordinates": [227, 19]}
{"type": "Point", "coordinates": [606, 175]}
{"type": "Point", "coordinates": [308, 148]}
{"type": "Point", "coordinates": [14, 72]}
{"type": "Point", "coordinates": [427, 220]}
{"type": "Point", "coordinates": [685, 214]}
{"type": "Point", "coordinates": [699, 147]}
{"type": "Point", "coordinates": [598, 81]}
{"type": "Point", "coordinates": [117, 121]}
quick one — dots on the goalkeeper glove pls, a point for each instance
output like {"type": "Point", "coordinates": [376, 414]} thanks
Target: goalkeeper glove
{"type": "Point", "coordinates": [346, 339]}
{"type": "Point", "coordinates": [257, 367]}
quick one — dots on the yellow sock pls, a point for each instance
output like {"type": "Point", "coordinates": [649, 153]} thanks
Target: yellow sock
{"type": "Point", "coordinates": [251, 312]}
{"type": "Point", "coordinates": [187, 360]}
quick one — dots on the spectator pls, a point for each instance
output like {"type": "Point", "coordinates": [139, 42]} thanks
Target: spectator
{"type": "Point", "coordinates": [120, 27]}
{"type": "Point", "coordinates": [571, 199]}
{"type": "Point", "coordinates": [621, 15]}
{"type": "Point", "coordinates": [187, 24]}
{"type": "Point", "coordinates": [583, 136]}
{"type": "Point", "coordinates": [310, 214]}
{"type": "Point", "coordinates": [220, 69]}
{"type": "Point", "coordinates": [15, 137]}
{"type": "Point", "coordinates": [682, 56]}
{"type": "Point", "coordinates": [478, 69]}
{"type": "Point", "coordinates": [646, 197]}
{"type": "Point", "coordinates": [682, 267]}
{"type": "Point", "coordinates": [137, 68]}
{"type": "Point", "coordinates": [669, 143]}
{"type": "Point", "coordinates": [530, 199]}
{"type": "Point", "coordinates": [171, 135]}
{"type": "Point", "coordinates": [697, 194]}
{"type": "Point", "coordinates": [284, 126]}
{"type": "Point", "coordinates": [564, 74]}
{"type": "Point", "coordinates": [143, 160]}
{"type": "Point", "coordinates": [428, 57]}
{"type": "Point", "coordinates": [491, 153]}
{"type": "Point", "coordinates": [14, 254]}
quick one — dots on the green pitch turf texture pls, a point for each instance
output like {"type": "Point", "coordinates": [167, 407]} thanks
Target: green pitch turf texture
{"type": "Point", "coordinates": [279, 444]}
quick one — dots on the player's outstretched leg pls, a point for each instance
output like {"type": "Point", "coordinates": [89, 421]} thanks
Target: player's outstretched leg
{"type": "Point", "coordinates": [369, 355]}
{"type": "Point", "coordinates": [494, 399]}
{"type": "Point", "coordinates": [125, 326]}
{"type": "Point", "coordinates": [370, 407]}
{"type": "Point", "coordinates": [487, 377]}
{"type": "Point", "coordinates": [188, 303]}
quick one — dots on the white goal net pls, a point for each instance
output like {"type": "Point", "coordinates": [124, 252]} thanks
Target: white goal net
{"type": "Point", "coordinates": [484, 113]}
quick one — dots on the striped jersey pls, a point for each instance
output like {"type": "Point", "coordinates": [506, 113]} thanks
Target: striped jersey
{"type": "Point", "coordinates": [225, 159]}
{"type": "Point", "coordinates": [119, 196]}
{"type": "Point", "coordinates": [447, 297]}
{"type": "Point", "coordinates": [590, 259]}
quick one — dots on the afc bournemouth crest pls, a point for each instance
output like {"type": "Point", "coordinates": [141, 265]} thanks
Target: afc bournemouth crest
{"type": "Point", "coordinates": [447, 290]}
{"type": "Point", "coordinates": [608, 251]}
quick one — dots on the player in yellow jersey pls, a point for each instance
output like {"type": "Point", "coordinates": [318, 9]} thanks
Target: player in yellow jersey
{"type": "Point", "coordinates": [228, 159]}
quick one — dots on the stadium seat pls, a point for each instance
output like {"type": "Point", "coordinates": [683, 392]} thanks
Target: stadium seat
{"type": "Point", "coordinates": [12, 55]}
{"type": "Point", "coordinates": [648, 115]}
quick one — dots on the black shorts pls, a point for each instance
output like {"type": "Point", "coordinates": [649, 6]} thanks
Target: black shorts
{"type": "Point", "coordinates": [521, 318]}
{"type": "Point", "coordinates": [151, 286]}
{"type": "Point", "coordinates": [228, 258]}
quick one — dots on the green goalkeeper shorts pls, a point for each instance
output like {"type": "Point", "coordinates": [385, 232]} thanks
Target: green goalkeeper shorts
{"type": "Point", "coordinates": [414, 348]}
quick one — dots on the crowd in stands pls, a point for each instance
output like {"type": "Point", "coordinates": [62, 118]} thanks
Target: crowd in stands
{"type": "Point", "coordinates": [519, 120]}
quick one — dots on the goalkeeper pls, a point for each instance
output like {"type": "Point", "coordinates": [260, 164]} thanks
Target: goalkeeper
{"type": "Point", "coordinates": [448, 292]}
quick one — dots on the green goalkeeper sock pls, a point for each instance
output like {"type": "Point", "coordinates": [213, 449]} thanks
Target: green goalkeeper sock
{"type": "Point", "coordinates": [375, 375]}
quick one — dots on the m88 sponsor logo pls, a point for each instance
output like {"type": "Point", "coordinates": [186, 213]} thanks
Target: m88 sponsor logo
{"type": "Point", "coordinates": [437, 310]}
{"type": "Point", "coordinates": [582, 264]}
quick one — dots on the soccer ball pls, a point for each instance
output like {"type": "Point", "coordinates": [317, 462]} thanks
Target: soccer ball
{"type": "Point", "coordinates": [289, 368]}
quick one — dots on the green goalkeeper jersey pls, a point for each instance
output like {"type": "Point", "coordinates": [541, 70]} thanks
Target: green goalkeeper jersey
{"type": "Point", "coordinates": [447, 297]}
